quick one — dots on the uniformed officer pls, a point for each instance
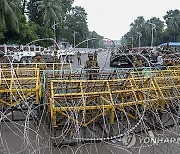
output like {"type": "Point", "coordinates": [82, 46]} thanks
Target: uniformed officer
{"type": "Point", "coordinates": [79, 58]}
{"type": "Point", "coordinates": [167, 47]}
{"type": "Point", "coordinates": [92, 66]}
{"type": "Point", "coordinates": [40, 62]}
{"type": "Point", "coordinates": [91, 63]}
{"type": "Point", "coordinates": [55, 57]}
{"type": "Point", "coordinates": [95, 55]}
{"type": "Point", "coordinates": [56, 60]}
{"type": "Point", "coordinates": [137, 62]}
{"type": "Point", "coordinates": [129, 47]}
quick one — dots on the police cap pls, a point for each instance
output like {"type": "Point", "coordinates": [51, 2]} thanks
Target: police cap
{"type": "Point", "coordinates": [38, 54]}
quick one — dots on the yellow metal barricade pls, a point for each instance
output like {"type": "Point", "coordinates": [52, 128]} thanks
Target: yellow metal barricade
{"type": "Point", "coordinates": [85, 101]}
{"type": "Point", "coordinates": [17, 85]}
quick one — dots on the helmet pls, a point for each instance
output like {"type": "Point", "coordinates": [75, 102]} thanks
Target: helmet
{"type": "Point", "coordinates": [1, 54]}
{"type": "Point", "coordinates": [90, 54]}
{"type": "Point", "coordinates": [38, 54]}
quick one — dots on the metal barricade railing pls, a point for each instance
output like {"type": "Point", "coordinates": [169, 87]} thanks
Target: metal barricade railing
{"type": "Point", "coordinates": [18, 85]}
{"type": "Point", "coordinates": [50, 66]}
{"type": "Point", "coordinates": [84, 101]}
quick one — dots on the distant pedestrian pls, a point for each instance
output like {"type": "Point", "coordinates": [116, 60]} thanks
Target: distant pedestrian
{"type": "Point", "coordinates": [95, 55]}
{"type": "Point", "coordinates": [79, 58]}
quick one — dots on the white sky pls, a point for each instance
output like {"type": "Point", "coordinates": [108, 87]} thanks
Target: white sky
{"type": "Point", "coordinates": [111, 18]}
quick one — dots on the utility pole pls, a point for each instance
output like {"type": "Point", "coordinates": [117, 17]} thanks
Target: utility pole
{"type": "Point", "coordinates": [139, 40]}
{"type": "Point", "coordinates": [74, 35]}
{"type": "Point", "coordinates": [54, 28]}
{"type": "Point", "coordinates": [152, 35]}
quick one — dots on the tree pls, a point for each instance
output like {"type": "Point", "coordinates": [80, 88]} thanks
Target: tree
{"type": "Point", "coordinates": [51, 11]}
{"type": "Point", "coordinates": [77, 21]}
{"type": "Point", "coordinates": [74, 21]}
{"type": "Point", "coordinates": [170, 14]}
{"type": "Point", "coordinates": [96, 43]}
{"type": "Point", "coordinates": [9, 13]}
{"type": "Point", "coordinates": [172, 19]}
{"type": "Point", "coordinates": [137, 26]}
{"type": "Point", "coordinates": [157, 32]}
{"type": "Point", "coordinates": [66, 5]}
{"type": "Point", "coordinates": [145, 28]}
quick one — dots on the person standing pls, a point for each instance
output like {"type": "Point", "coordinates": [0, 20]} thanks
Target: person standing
{"type": "Point", "coordinates": [92, 66]}
{"type": "Point", "coordinates": [56, 64]}
{"type": "Point", "coordinates": [137, 62]}
{"type": "Point", "coordinates": [39, 62]}
{"type": "Point", "coordinates": [55, 57]}
{"type": "Point", "coordinates": [160, 60]}
{"type": "Point", "coordinates": [79, 58]}
{"type": "Point", "coordinates": [95, 55]}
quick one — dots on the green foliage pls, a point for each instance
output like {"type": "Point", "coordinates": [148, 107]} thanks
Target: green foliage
{"type": "Point", "coordinates": [162, 33]}
{"type": "Point", "coordinates": [9, 14]}
{"type": "Point", "coordinates": [74, 22]}
{"type": "Point", "coordinates": [51, 11]}
{"type": "Point", "coordinates": [42, 15]}
{"type": "Point", "coordinates": [170, 14]}
{"type": "Point", "coordinates": [96, 43]}
{"type": "Point", "coordinates": [34, 15]}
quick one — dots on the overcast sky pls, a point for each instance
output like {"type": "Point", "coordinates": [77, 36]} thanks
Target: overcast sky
{"type": "Point", "coordinates": [111, 18]}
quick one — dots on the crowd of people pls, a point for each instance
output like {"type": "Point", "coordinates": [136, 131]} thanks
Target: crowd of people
{"type": "Point", "coordinates": [161, 56]}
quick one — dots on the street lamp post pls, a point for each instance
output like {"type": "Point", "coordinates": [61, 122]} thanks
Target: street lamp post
{"type": "Point", "coordinates": [152, 37]}
{"type": "Point", "coordinates": [54, 28]}
{"type": "Point", "coordinates": [74, 35]}
{"type": "Point", "coordinates": [139, 40]}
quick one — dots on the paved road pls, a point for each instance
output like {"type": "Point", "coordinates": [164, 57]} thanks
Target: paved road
{"type": "Point", "coordinates": [16, 138]}
{"type": "Point", "coordinates": [103, 60]}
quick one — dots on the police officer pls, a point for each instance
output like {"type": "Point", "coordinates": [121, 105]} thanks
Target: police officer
{"type": "Point", "coordinates": [40, 62]}
{"type": "Point", "coordinates": [55, 57]}
{"type": "Point", "coordinates": [91, 63]}
{"type": "Point", "coordinates": [79, 58]}
{"type": "Point", "coordinates": [167, 47]}
{"type": "Point", "coordinates": [56, 60]}
{"type": "Point", "coordinates": [95, 55]}
{"type": "Point", "coordinates": [129, 47]}
{"type": "Point", "coordinates": [137, 62]}
{"type": "Point", "coordinates": [92, 66]}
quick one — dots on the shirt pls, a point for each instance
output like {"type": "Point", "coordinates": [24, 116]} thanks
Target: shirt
{"type": "Point", "coordinates": [159, 60]}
